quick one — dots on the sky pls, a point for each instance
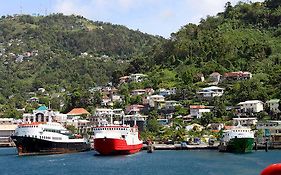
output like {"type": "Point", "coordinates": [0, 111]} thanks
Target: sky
{"type": "Point", "coordinates": [157, 17]}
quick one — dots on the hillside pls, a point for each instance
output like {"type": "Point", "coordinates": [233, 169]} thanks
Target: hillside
{"type": "Point", "coordinates": [58, 51]}
{"type": "Point", "coordinates": [245, 37]}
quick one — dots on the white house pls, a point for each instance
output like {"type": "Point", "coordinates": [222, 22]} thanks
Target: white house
{"type": "Point", "coordinates": [198, 110]}
{"type": "Point", "coordinates": [245, 121]}
{"type": "Point", "coordinates": [171, 104]}
{"type": "Point", "coordinates": [251, 106]}
{"type": "Point", "coordinates": [137, 77]}
{"type": "Point", "coordinates": [153, 99]}
{"type": "Point", "coordinates": [166, 92]}
{"type": "Point", "coordinates": [210, 92]}
{"type": "Point", "coordinates": [273, 105]}
{"type": "Point", "coordinates": [138, 92]}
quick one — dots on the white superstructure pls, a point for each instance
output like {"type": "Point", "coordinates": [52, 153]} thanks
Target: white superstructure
{"type": "Point", "coordinates": [49, 131]}
{"type": "Point", "coordinates": [237, 132]}
{"type": "Point", "coordinates": [122, 132]}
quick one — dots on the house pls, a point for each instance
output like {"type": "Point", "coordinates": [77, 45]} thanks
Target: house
{"type": "Point", "coordinates": [251, 106]}
{"type": "Point", "coordinates": [33, 99]}
{"type": "Point", "coordinates": [210, 92]}
{"type": "Point", "coordinates": [273, 105]}
{"type": "Point", "coordinates": [166, 92]}
{"type": "Point", "coordinates": [198, 110]}
{"type": "Point", "coordinates": [138, 92]}
{"type": "Point", "coordinates": [106, 101]}
{"type": "Point", "coordinates": [158, 104]}
{"type": "Point", "coordinates": [170, 105]}
{"type": "Point", "coordinates": [214, 78]}
{"type": "Point", "coordinates": [271, 130]}
{"type": "Point", "coordinates": [216, 126]}
{"type": "Point", "coordinates": [245, 121]}
{"type": "Point", "coordinates": [78, 112]}
{"type": "Point", "coordinates": [42, 90]}
{"type": "Point", "coordinates": [137, 77]}
{"type": "Point", "coordinates": [230, 76]}
{"type": "Point", "coordinates": [123, 79]}
{"type": "Point", "coordinates": [116, 98]}
{"type": "Point", "coordinates": [153, 99]}
{"type": "Point", "coordinates": [195, 127]}
{"type": "Point", "coordinates": [133, 109]}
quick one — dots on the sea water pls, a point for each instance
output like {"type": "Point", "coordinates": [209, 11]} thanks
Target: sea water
{"type": "Point", "coordinates": [206, 162]}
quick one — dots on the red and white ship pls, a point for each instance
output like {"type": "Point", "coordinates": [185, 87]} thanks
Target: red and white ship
{"type": "Point", "coordinates": [110, 139]}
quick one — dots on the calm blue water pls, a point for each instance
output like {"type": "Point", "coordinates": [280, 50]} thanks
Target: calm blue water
{"type": "Point", "coordinates": [159, 162]}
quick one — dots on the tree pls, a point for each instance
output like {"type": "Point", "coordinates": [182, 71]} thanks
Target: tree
{"type": "Point", "coordinates": [206, 118]}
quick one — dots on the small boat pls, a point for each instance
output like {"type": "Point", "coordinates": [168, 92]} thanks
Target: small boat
{"type": "Point", "coordinates": [274, 169]}
{"type": "Point", "coordinates": [40, 138]}
{"type": "Point", "coordinates": [111, 139]}
{"type": "Point", "coordinates": [238, 139]}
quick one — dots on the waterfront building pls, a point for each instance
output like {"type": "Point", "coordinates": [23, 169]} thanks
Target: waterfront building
{"type": "Point", "coordinates": [7, 128]}
{"type": "Point", "coordinates": [271, 130]}
{"type": "Point", "coordinates": [42, 114]}
{"type": "Point", "coordinates": [81, 112]}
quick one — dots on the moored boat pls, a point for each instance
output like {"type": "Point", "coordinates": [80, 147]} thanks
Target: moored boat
{"type": "Point", "coordinates": [40, 138]}
{"type": "Point", "coordinates": [238, 139]}
{"type": "Point", "coordinates": [110, 139]}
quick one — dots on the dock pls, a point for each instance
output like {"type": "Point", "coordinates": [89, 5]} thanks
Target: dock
{"type": "Point", "coordinates": [180, 147]}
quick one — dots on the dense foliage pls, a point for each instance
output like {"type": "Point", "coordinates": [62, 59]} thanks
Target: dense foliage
{"type": "Point", "coordinates": [59, 53]}
{"type": "Point", "coordinates": [245, 37]}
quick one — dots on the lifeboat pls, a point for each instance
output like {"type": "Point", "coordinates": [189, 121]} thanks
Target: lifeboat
{"type": "Point", "coordinates": [274, 169]}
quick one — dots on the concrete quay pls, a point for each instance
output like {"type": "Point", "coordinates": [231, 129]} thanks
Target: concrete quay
{"type": "Point", "coordinates": [182, 147]}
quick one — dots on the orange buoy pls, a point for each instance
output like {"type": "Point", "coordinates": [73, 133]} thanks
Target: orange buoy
{"type": "Point", "coordinates": [274, 169]}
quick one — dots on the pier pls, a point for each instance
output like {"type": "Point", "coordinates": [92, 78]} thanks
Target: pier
{"type": "Point", "coordinates": [181, 147]}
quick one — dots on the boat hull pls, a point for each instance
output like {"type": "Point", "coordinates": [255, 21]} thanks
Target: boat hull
{"type": "Point", "coordinates": [108, 146]}
{"type": "Point", "coordinates": [35, 146]}
{"type": "Point", "coordinates": [238, 145]}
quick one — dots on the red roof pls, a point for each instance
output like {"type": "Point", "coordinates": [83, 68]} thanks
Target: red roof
{"type": "Point", "coordinates": [236, 74]}
{"type": "Point", "coordinates": [197, 107]}
{"type": "Point", "coordinates": [78, 111]}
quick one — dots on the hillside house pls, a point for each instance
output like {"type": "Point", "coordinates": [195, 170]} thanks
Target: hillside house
{"type": "Point", "coordinates": [154, 99]}
{"type": "Point", "coordinates": [251, 106]}
{"type": "Point", "coordinates": [198, 110]}
{"type": "Point", "coordinates": [273, 105]}
{"type": "Point", "coordinates": [214, 78]}
{"type": "Point", "coordinates": [232, 76]}
{"type": "Point", "coordinates": [210, 92]}
{"type": "Point", "coordinates": [170, 105]}
{"type": "Point", "coordinates": [245, 121]}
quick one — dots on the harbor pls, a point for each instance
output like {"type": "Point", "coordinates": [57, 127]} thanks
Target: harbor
{"type": "Point", "coordinates": [162, 162]}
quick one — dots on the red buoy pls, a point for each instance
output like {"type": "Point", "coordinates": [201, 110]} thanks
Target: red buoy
{"type": "Point", "coordinates": [274, 169]}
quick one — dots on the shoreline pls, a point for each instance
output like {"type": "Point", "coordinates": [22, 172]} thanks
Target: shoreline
{"type": "Point", "coordinates": [200, 147]}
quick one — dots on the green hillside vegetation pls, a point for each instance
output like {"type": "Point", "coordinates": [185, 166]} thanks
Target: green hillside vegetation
{"type": "Point", "coordinates": [76, 54]}
{"type": "Point", "coordinates": [245, 37]}
{"type": "Point", "coordinates": [63, 52]}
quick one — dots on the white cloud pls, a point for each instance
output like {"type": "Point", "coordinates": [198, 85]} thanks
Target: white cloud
{"type": "Point", "coordinates": [151, 16]}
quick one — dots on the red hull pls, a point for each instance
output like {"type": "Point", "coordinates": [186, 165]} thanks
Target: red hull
{"type": "Point", "coordinates": [107, 146]}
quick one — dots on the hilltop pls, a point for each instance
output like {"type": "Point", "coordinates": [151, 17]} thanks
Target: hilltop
{"type": "Point", "coordinates": [59, 51]}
